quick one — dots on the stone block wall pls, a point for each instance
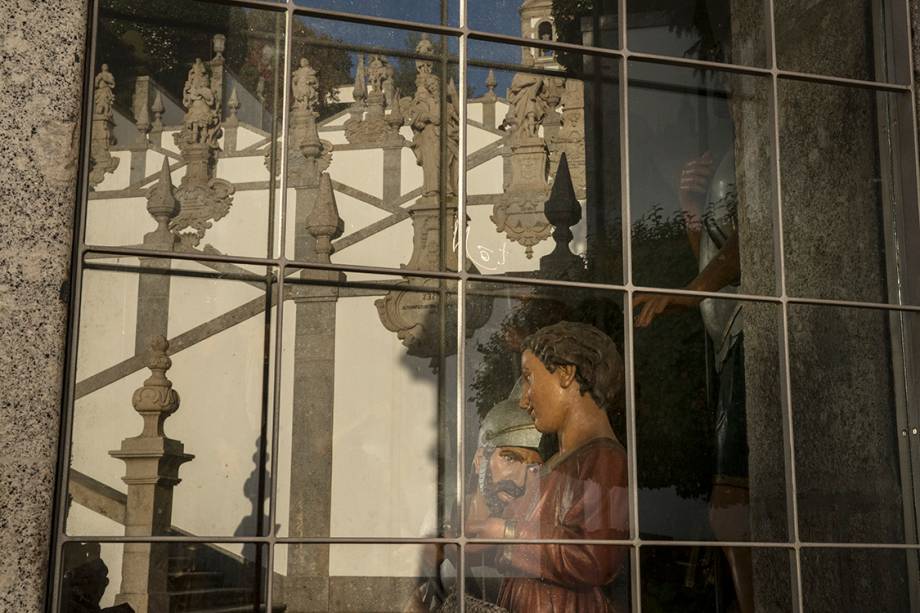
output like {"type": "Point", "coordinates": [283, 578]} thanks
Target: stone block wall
{"type": "Point", "coordinates": [41, 70]}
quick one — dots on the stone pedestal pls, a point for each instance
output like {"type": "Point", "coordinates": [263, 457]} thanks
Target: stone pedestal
{"type": "Point", "coordinates": [519, 212]}
{"type": "Point", "coordinates": [152, 462]}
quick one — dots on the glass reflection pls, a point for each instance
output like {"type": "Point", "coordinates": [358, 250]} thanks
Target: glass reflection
{"type": "Point", "coordinates": [368, 420]}
{"type": "Point", "coordinates": [842, 192]}
{"type": "Point", "coordinates": [884, 579]}
{"type": "Point", "coordinates": [175, 576]}
{"type": "Point", "coordinates": [699, 580]}
{"type": "Point", "coordinates": [544, 577]}
{"type": "Point", "coordinates": [444, 12]}
{"type": "Point", "coordinates": [384, 101]}
{"type": "Point", "coordinates": [701, 181]}
{"type": "Point", "coordinates": [167, 350]}
{"type": "Point", "coordinates": [848, 387]}
{"type": "Point", "coordinates": [186, 109]}
{"type": "Point", "coordinates": [544, 432]}
{"type": "Point", "coordinates": [709, 423]}
{"type": "Point", "coordinates": [580, 22]}
{"type": "Point", "coordinates": [543, 165]}
{"type": "Point", "coordinates": [855, 43]}
{"type": "Point", "coordinates": [733, 31]}
{"type": "Point", "coordinates": [404, 578]}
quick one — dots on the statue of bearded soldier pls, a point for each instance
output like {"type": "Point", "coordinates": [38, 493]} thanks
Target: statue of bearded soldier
{"type": "Point", "coordinates": [506, 457]}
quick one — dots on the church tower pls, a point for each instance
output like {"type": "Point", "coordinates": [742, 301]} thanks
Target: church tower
{"type": "Point", "coordinates": [537, 24]}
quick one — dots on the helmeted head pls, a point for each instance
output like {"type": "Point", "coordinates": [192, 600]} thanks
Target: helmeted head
{"type": "Point", "coordinates": [508, 444]}
{"type": "Point", "coordinates": [596, 361]}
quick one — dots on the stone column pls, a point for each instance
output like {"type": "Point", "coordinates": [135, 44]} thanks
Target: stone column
{"type": "Point", "coordinates": [152, 463]}
{"type": "Point", "coordinates": [153, 284]}
{"type": "Point", "coordinates": [141, 108]}
{"type": "Point", "coordinates": [306, 587]}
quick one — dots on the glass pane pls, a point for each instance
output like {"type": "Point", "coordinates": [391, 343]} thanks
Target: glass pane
{"type": "Point", "coordinates": [380, 578]}
{"type": "Point", "coordinates": [700, 579]}
{"type": "Point", "coordinates": [368, 185]}
{"type": "Point", "coordinates": [543, 166]}
{"type": "Point", "coordinates": [842, 201]}
{"type": "Point", "coordinates": [848, 388]}
{"type": "Point", "coordinates": [701, 181]}
{"type": "Point", "coordinates": [202, 476]}
{"type": "Point", "coordinates": [711, 461]}
{"type": "Point", "coordinates": [859, 38]}
{"type": "Point", "coordinates": [368, 409]}
{"type": "Point", "coordinates": [567, 21]}
{"type": "Point", "coordinates": [538, 360]}
{"type": "Point", "coordinates": [543, 577]}
{"type": "Point", "coordinates": [859, 579]}
{"type": "Point", "coordinates": [176, 576]}
{"type": "Point", "coordinates": [732, 31]}
{"type": "Point", "coordinates": [444, 12]}
{"type": "Point", "coordinates": [185, 114]}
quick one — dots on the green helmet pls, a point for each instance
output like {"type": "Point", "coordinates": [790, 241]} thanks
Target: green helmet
{"type": "Point", "coordinates": [506, 425]}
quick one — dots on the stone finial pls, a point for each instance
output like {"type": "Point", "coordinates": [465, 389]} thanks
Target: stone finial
{"type": "Point", "coordinates": [163, 207]}
{"type": "Point", "coordinates": [396, 118]}
{"type": "Point", "coordinates": [233, 105]}
{"type": "Point", "coordinates": [156, 399]}
{"type": "Point", "coordinates": [158, 109]}
{"type": "Point", "coordinates": [491, 82]}
{"type": "Point", "coordinates": [152, 461]}
{"type": "Point", "coordinates": [360, 91]}
{"type": "Point", "coordinates": [563, 211]}
{"type": "Point", "coordinates": [323, 221]}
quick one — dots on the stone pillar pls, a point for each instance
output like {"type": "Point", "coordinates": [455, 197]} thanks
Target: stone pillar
{"type": "Point", "coordinates": [153, 284]}
{"type": "Point", "coordinates": [829, 150]}
{"type": "Point", "coordinates": [141, 108]}
{"type": "Point", "coordinates": [152, 463]}
{"type": "Point", "coordinates": [306, 587]}
{"type": "Point", "coordinates": [488, 102]}
{"type": "Point", "coordinates": [232, 123]}
{"type": "Point", "coordinates": [42, 66]}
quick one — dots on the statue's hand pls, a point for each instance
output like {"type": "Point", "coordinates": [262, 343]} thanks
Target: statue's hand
{"type": "Point", "coordinates": [656, 304]}
{"type": "Point", "coordinates": [694, 185]}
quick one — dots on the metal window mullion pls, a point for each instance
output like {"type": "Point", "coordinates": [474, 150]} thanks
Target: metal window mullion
{"type": "Point", "coordinates": [460, 531]}
{"type": "Point", "coordinates": [279, 319]}
{"type": "Point", "coordinates": [58, 536]}
{"type": "Point", "coordinates": [792, 513]}
{"type": "Point", "coordinates": [112, 251]}
{"type": "Point", "coordinates": [628, 336]}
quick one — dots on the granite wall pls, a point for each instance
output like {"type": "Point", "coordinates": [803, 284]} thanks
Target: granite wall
{"type": "Point", "coordinates": [41, 68]}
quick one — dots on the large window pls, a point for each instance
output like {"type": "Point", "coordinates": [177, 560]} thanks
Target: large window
{"type": "Point", "coordinates": [437, 306]}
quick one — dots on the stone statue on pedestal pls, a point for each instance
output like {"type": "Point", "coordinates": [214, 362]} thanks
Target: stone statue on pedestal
{"type": "Point", "coordinates": [102, 138]}
{"type": "Point", "coordinates": [305, 87]}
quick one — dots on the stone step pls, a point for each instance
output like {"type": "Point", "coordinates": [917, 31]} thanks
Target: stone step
{"type": "Point", "coordinates": [207, 599]}
{"type": "Point", "coordinates": [278, 608]}
{"type": "Point", "coordinates": [184, 580]}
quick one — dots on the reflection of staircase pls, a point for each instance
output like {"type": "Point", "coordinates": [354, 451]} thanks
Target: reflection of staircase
{"type": "Point", "coordinates": [203, 578]}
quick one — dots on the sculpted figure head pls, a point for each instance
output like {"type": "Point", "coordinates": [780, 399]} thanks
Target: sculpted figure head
{"type": "Point", "coordinates": [598, 371]}
{"type": "Point", "coordinates": [508, 446]}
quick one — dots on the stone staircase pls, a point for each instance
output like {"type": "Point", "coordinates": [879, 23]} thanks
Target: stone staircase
{"type": "Point", "coordinates": [204, 579]}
